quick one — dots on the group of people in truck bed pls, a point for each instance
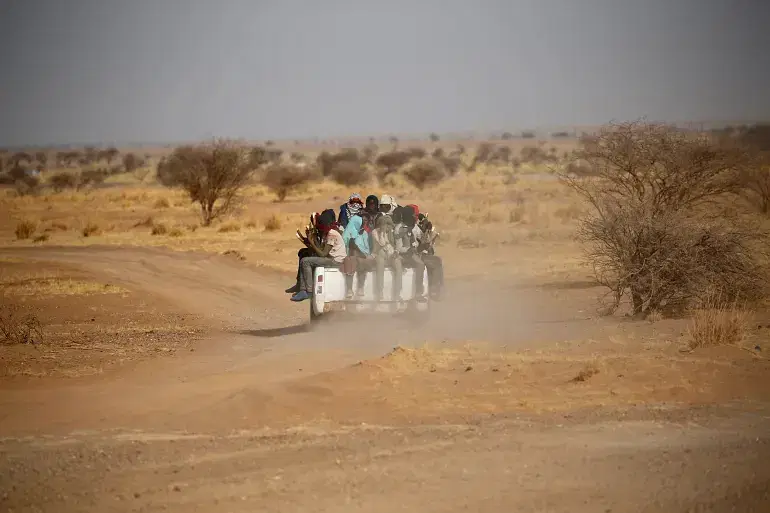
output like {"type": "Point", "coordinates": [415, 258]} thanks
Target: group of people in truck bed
{"type": "Point", "coordinates": [370, 236]}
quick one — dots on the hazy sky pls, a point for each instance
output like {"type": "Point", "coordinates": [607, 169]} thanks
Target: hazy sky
{"type": "Point", "coordinates": [168, 70]}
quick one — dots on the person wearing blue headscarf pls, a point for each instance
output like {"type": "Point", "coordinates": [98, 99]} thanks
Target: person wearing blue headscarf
{"type": "Point", "coordinates": [359, 254]}
{"type": "Point", "coordinates": [355, 231]}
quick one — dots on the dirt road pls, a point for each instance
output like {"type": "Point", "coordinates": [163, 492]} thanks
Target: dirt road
{"type": "Point", "coordinates": [195, 433]}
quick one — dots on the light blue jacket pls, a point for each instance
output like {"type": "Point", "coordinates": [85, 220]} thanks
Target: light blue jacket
{"type": "Point", "coordinates": [354, 230]}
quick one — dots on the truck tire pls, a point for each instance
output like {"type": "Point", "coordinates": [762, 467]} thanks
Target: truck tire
{"type": "Point", "coordinates": [314, 317]}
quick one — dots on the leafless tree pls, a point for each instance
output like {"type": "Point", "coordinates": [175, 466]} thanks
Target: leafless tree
{"type": "Point", "coordinates": [658, 229]}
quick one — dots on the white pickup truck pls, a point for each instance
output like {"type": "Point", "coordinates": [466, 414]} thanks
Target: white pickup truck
{"type": "Point", "coordinates": [329, 294]}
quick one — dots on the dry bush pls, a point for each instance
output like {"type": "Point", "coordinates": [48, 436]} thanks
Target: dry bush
{"type": "Point", "coordinates": [273, 223]}
{"type": "Point", "coordinates": [159, 229]}
{"type": "Point", "coordinates": [19, 328]}
{"type": "Point", "coordinates": [482, 155]}
{"type": "Point", "coordinates": [578, 169]}
{"type": "Point", "coordinates": [392, 161]}
{"type": "Point", "coordinates": [229, 227]}
{"type": "Point", "coordinates": [416, 152]}
{"type": "Point", "coordinates": [26, 184]}
{"type": "Point", "coordinates": [145, 223]}
{"type": "Point", "coordinates": [175, 232]}
{"type": "Point", "coordinates": [327, 162]}
{"type": "Point", "coordinates": [91, 229]}
{"type": "Point", "coordinates": [213, 174]}
{"type": "Point", "coordinates": [717, 323]}
{"type": "Point", "coordinates": [258, 156]}
{"type": "Point", "coordinates": [92, 177]}
{"type": "Point", "coordinates": [657, 231]}
{"type": "Point", "coordinates": [25, 229]}
{"type": "Point", "coordinates": [283, 179]}
{"type": "Point", "coordinates": [63, 180]}
{"type": "Point", "coordinates": [297, 157]}
{"type": "Point", "coordinates": [369, 153]}
{"type": "Point", "coordinates": [755, 180]}
{"type": "Point", "coordinates": [162, 203]}
{"type": "Point", "coordinates": [452, 164]}
{"type": "Point", "coordinates": [43, 237]}
{"type": "Point", "coordinates": [349, 174]}
{"type": "Point", "coordinates": [425, 173]}
{"type": "Point", "coordinates": [536, 156]}
{"type": "Point", "coordinates": [131, 163]}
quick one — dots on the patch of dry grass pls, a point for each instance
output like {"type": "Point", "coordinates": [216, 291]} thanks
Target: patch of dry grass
{"type": "Point", "coordinates": [718, 323]}
{"type": "Point", "coordinates": [486, 210]}
{"type": "Point", "coordinates": [159, 229]}
{"type": "Point", "coordinates": [229, 227]}
{"type": "Point", "coordinates": [46, 284]}
{"type": "Point", "coordinates": [91, 229]}
{"type": "Point", "coordinates": [25, 229]}
{"type": "Point", "coordinates": [273, 223]}
{"type": "Point", "coordinates": [18, 327]}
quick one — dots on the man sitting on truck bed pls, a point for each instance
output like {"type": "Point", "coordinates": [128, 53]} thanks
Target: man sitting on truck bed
{"type": "Point", "coordinates": [305, 252]}
{"type": "Point", "coordinates": [384, 251]}
{"type": "Point", "coordinates": [331, 254]}
{"type": "Point", "coordinates": [425, 249]}
{"type": "Point", "coordinates": [407, 236]}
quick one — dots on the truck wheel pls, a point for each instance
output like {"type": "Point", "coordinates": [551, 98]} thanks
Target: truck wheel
{"type": "Point", "coordinates": [314, 317]}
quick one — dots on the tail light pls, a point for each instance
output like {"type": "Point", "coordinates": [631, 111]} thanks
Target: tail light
{"type": "Point", "coordinates": [320, 278]}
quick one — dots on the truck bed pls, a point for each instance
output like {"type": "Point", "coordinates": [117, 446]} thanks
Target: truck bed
{"type": "Point", "coordinates": [329, 289]}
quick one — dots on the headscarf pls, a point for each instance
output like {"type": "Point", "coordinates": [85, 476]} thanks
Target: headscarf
{"type": "Point", "coordinates": [389, 200]}
{"type": "Point", "coordinates": [326, 221]}
{"type": "Point", "coordinates": [354, 205]}
{"type": "Point", "coordinates": [354, 231]}
{"type": "Point", "coordinates": [416, 210]}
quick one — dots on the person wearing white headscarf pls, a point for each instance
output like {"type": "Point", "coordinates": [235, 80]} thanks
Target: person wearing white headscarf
{"type": "Point", "coordinates": [354, 206]}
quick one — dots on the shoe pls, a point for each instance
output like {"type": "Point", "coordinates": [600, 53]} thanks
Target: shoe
{"type": "Point", "coordinates": [293, 290]}
{"type": "Point", "coordinates": [360, 294]}
{"type": "Point", "coordinates": [348, 295]}
{"type": "Point", "coordinates": [300, 296]}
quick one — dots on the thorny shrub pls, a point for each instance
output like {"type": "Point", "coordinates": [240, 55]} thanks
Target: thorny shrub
{"type": "Point", "coordinates": [213, 174]}
{"type": "Point", "coordinates": [19, 328]}
{"type": "Point", "coordinates": [63, 180]}
{"type": "Point", "coordinates": [25, 229]}
{"type": "Point", "coordinates": [755, 180]}
{"type": "Point", "coordinates": [349, 173]}
{"type": "Point", "coordinates": [283, 179]}
{"type": "Point", "coordinates": [390, 162]}
{"type": "Point", "coordinates": [327, 162]}
{"type": "Point", "coordinates": [425, 172]}
{"type": "Point", "coordinates": [658, 230]}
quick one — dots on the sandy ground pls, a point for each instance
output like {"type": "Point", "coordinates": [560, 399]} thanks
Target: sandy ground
{"type": "Point", "coordinates": [195, 385]}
